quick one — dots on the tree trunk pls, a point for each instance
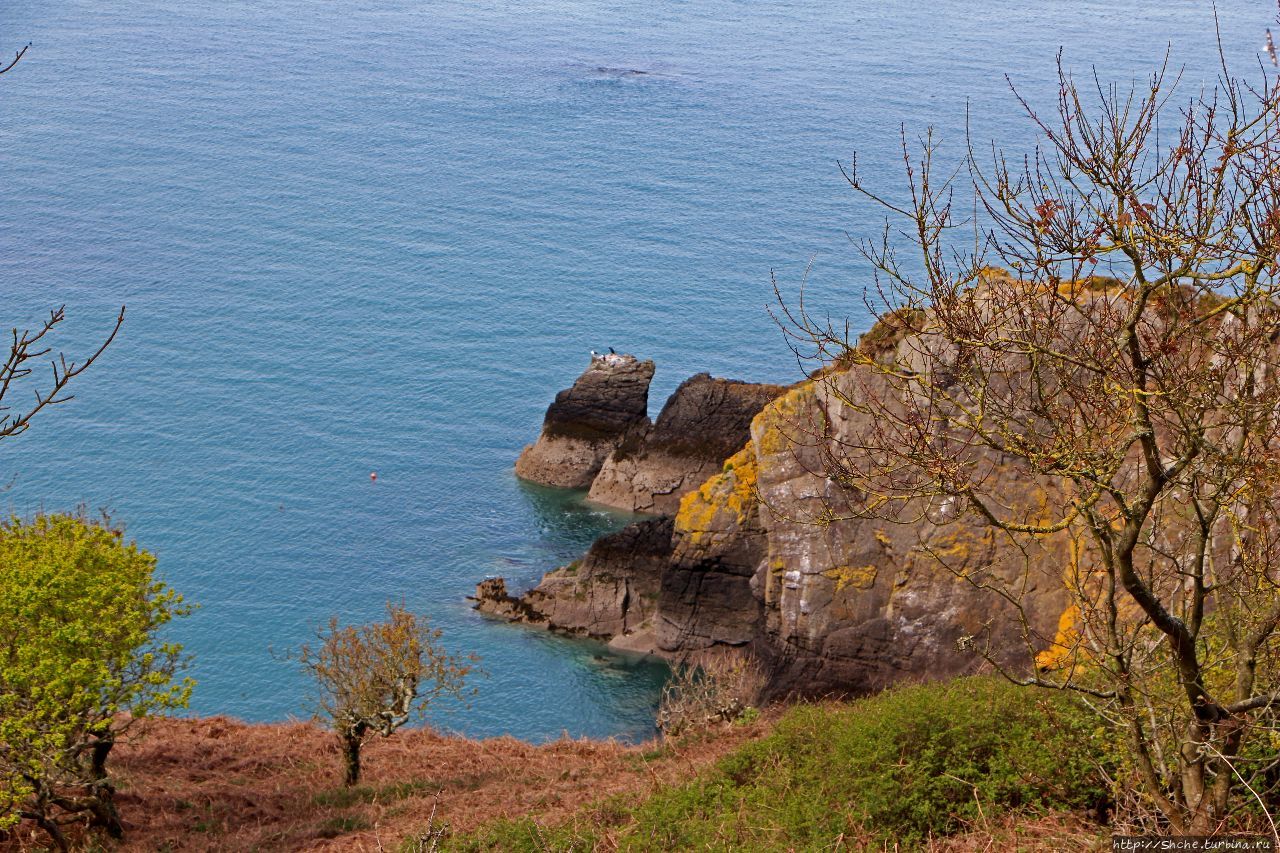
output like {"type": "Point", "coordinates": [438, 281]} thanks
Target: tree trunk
{"type": "Point", "coordinates": [103, 808]}
{"type": "Point", "coordinates": [105, 814]}
{"type": "Point", "coordinates": [101, 749]}
{"type": "Point", "coordinates": [54, 831]}
{"type": "Point", "coordinates": [351, 759]}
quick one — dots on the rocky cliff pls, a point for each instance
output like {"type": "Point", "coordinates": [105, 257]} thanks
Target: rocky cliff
{"type": "Point", "coordinates": [768, 554]}
{"type": "Point", "coordinates": [854, 604]}
{"type": "Point", "coordinates": [612, 592]}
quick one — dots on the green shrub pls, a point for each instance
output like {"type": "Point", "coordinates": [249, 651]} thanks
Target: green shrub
{"type": "Point", "coordinates": [896, 768]}
{"type": "Point", "coordinates": [81, 621]}
{"type": "Point", "coordinates": [900, 766]}
{"type": "Point", "coordinates": [524, 835]}
{"type": "Point", "coordinates": [341, 825]}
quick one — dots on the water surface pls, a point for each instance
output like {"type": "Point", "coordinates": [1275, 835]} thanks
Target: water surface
{"type": "Point", "coordinates": [379, 235]}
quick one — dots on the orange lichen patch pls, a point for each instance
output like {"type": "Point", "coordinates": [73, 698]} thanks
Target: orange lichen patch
{"type": "Point", "coordinates": [1092, 284]}
{"type": "Point", "coordinates": [858, 577]}
{"type": "Point", "coordinates": [789, 420]}
{"type": "Point", "coordinates": [1062, 651]}
{"type": "Point", "coordinates": [729, 496]}
{"type": "Point", "coordinates": [988, 274]}
{"type": "Point", "coordinates": [956, 548]}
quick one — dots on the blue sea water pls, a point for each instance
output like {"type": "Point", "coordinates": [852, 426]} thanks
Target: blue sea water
{"type": "Point", "coordinates": [379, 235]}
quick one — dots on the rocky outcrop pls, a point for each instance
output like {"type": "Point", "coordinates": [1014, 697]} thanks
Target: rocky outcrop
{"type": "Point", "coordinates": [612, 592]}
{"type": "Point", "coordinates": [597, 435]}
{"type": "Point", "coordinates": [492, 597]}
{"type": "Point", "coordinates": [608, 403]}
{"type": "Point", "coordinates": [770, 554]}
{"type": "Point", "coordinates": [707, 597]}
{"type": "Point", "coordinates": [613, 589]}
{"type": "Point", "coordinates": [704, 422]}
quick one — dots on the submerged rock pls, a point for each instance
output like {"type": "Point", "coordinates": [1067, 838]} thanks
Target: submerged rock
{"type": "Point", "coordinates": [607, 403]}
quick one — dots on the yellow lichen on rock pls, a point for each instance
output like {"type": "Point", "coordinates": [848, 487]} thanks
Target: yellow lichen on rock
{"type": "Point", "coordinates": [732, 493]}
{"type": "Point", "coordinates": [788, 420]}
{"type": "Point", "coordinates": [1063, 649]}
{"type": "Point", "coordinates": [858, 577]}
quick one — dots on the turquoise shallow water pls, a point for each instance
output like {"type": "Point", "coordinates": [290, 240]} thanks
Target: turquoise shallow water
{"type": "Point", "coordinates": [379, 235]}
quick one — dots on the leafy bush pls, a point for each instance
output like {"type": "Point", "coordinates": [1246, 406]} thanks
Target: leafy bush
{"type": "Point", "coordinates": [80, 611]}
{"type": "Point", "coordinates": [900, 766]}
{"type": "Point", "coordinates": [520, 835]}
{"type": "Point", "coordinates": [896, 768]}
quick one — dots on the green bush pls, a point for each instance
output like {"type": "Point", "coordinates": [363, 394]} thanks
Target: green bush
{"type": "Point", "coordinates": [81, 657]}
{"type": "Point", "coordinates": [897, 767]}
{"type": "Point", "coordinates": [909, 763]}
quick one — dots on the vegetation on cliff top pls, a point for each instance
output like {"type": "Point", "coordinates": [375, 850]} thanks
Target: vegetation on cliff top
{"type": "Point", "coordinates": [903, 767]}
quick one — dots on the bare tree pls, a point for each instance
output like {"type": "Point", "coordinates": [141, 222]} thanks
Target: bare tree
{"type": "Point", "coordinates": [1102, 318]}
{"type": "Point", "coordinates": [28, 345]}
{"type": "Point", "coordinates": [374, 678]}
{"type": "Point", "coordinates": [719, 689]}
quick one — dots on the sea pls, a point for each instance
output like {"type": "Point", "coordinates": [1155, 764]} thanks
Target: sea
{"type": "Point", "coordinates": [379, 235]}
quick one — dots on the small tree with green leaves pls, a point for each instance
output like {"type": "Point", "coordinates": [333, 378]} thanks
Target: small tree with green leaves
{"type": "Point", "coordinates": [80, 662]}
{"type": "Point", "coordinates": [372, 679]}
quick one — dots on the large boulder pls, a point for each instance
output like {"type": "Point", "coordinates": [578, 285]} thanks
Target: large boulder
{"type": "Point", "coordinates": [608, 403]}
{"type": "Point", "coordinates": [704, 422]}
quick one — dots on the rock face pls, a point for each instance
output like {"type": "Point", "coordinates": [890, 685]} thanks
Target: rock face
{"type": "Point", "coordinates": [609, 593]}
{"type": "Point", "coordinates": [704, 422]}
{"type": "Point", "coordinates": [613, 590]}
{"type": "Point", "coordinates": [607, 403]}
{"type": "Point", "coordinates": [719, 542]}
{"type": "Point", "coordinates": [854, 604]}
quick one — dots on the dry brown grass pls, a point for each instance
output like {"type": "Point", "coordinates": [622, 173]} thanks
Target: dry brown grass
{"type": "Point", "coordinates": [1052, 833]}
{"type": "Point", "coordinates": [219, 784]}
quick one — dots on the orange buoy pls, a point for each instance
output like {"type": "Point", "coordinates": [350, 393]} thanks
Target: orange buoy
{"type": "Point", "coordinates": [374, 476]}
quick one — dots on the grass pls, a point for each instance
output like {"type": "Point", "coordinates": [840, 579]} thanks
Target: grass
{"type": "Point", "coordinates": [341, 825]}
{"type": "Point", "coordinates": [343, 798]}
